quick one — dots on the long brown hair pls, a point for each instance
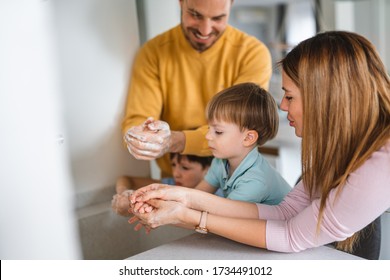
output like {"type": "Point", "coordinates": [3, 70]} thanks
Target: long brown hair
{"type": "Point", "coordinates": [346, 109]}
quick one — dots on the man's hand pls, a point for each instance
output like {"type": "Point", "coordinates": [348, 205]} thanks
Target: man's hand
{"type": "Point", "coordinates": [149, 140]}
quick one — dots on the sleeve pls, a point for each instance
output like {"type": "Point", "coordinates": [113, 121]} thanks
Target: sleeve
{"type": "Point", "coordinates": [256, 65]}
{"type": "Point", "coordinates": [213, 174]}
{"type": "Point", "coordinates": [293, 203]}
{"type": "Point", "coordinates": [349, 208]}
{"type": "Point", "coordinates": [251, 190]}
{"type": "Point", "coordinates": [144, 96]}
{"type": "Point", "coordinates": [195, 142]}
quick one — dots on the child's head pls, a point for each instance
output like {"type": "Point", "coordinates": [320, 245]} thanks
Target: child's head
{"type": "Point", "coordinates": [189, 170]}
{"type": "Point", "coordinates": [249, 107]}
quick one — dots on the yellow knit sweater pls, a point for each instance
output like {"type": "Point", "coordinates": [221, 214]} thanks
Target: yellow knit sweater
{"type": "Point", "coordinates": [173, 82]}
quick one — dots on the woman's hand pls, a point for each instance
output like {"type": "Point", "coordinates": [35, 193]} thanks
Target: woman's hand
{"type": "Point", "coordinates": [158, 191]}
{"type": "Point", "coordinates": [162, 213]}
{"type": "Point", "coordinates": [139, 225]}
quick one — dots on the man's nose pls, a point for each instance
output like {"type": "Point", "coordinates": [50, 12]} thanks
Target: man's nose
{"type": "Point", "coordinates": [205, 27]}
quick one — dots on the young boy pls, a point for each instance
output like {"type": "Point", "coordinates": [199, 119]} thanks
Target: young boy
{"type": "Point", "coordinates": [187, 171]}
{"type": "Point", "coordinates": [241, 118]}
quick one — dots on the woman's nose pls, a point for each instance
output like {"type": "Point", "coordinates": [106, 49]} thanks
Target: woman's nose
{"type": "Point", "coordinates": [284, 105]}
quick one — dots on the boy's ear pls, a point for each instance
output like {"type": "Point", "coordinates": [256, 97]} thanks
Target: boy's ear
{"type": "Point", "coordinates": [251, 137]}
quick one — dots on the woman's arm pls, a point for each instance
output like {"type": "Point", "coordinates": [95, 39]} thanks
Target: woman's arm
{"type": "Point", "coordinates": [348, 209]}
{"type": "Point", "coordinates": [195, 199]}
{"type": "Point", "coordinates": [247, 231]}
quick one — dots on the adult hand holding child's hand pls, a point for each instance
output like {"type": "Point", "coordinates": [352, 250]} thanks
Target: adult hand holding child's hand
{"type": "Point", "coordinates": [156, 205]}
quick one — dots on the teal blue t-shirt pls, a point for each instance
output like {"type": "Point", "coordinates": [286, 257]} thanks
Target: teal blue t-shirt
{"type": "Point", "coordinates": [254, 180]}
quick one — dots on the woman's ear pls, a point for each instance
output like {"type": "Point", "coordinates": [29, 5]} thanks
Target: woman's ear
{"type": "Point", "coordinates": [251, 138]}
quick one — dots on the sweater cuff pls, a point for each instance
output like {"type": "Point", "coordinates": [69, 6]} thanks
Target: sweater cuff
{"type": "Point", "coordinates": [196, 143]}
{"type": "Point", "coordinates": [276, 237]}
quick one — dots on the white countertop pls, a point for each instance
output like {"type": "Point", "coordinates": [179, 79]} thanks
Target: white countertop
{"type": "Point", "coordinates": [212, 247]}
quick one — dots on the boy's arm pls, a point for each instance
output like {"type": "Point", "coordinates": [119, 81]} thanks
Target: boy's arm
{"type": "Point", "coordinates": [206, 187]}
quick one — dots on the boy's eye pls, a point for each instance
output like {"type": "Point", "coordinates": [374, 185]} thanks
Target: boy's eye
{"type": "Point", "coordinates": [218, 132]}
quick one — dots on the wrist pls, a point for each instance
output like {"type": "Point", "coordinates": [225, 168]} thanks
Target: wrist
{"type": "Point", "coordinates": [191, 217]}
{"type": "Point", "coordinates": [202, 225]}
{"type": "Point", "coordinates": [178, 142]}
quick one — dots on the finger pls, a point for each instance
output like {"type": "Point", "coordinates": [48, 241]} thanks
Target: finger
{"type": "Point", "coordinates": [136, 206]}
{"type": "Point", "coordinates": [153, 137]}
{"type": "Point", "coordinates": [133, 219]}
{"type": "Point", "coordinates": [148, 121]}
{"type": "Point", "coordinates": [137, 194]}
{"type": "Point", "coordinates": [145, 148]}
{"type": "Point", "coordinates": [138, 155]}
{"type": "Point", "coordinates": [153, 203]}
{"type": "Point", "coordinates": [148, 209]}
{"type": "Point", "coordinates": [156, 194]}
{"type": "Point", "coordinates": [138, 227]}
{"type": "Point", "coordinates": [158, 125]}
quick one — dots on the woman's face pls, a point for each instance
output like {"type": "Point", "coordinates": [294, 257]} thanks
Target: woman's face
{"type": "Point", "coordinates": [292, 104]}
{"type": "Point", "coordinates": [187, 173]}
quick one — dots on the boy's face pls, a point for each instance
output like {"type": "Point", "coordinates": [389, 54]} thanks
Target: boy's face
{"type": "Point", "coordinates": [226, 140]}
{"type": "Point", "coordinates": [204, 21]}
{"type": "Point", "coordinates": [187, 173]}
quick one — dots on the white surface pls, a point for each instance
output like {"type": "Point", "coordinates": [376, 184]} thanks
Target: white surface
{"type": "Point", "coordinates": [36, 209]}
{"type": "Point", "coordinates": [213, 247]}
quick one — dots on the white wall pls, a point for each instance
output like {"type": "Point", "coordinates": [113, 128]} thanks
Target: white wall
{"type": "Point", "coordinates": [160, 16]}
{"type": "Point", "coordinates": [36, 206]}
{"type": "Point", "coordinates": [64, 67]}
{"type": "Point", "coordinates": [97, 40]}
{"type": "Point", "coordinates": [366, 17]}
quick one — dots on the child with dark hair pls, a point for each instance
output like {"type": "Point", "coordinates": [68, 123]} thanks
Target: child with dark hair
{"type": "Point", "coordinates": [187, 171]}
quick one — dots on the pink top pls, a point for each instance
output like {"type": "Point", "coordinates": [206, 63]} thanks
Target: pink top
{"type": "Point", "coordinates": [292, 225]}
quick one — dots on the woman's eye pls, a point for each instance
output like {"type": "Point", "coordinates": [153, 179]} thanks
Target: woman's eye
{"type": "Point", "coordinates": [289, 98]}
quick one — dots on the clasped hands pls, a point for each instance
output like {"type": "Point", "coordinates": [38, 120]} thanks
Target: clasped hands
{"type": "Point", "coordinates": [156, 205]}
{"type": "Point", "coordinates": [149, 140]}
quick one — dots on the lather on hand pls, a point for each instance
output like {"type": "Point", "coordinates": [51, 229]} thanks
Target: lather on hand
{"type": "Point", "coordinates": [149, 140]}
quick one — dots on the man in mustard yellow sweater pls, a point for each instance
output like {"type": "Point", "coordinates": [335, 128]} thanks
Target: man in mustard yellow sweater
{"type": "Point", "coordinates": [176, 73]}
